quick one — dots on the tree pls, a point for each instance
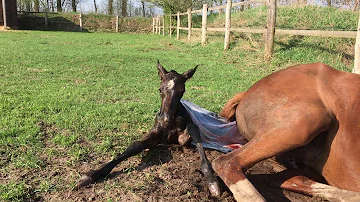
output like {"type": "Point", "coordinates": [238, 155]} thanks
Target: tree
{"type": "Point", "coordinates": [356, 5]}
{"type": "Point", "coordinates": [73, 5]}
{"type": "Point", "coordinates": [110, 9]}
{"type": "Point", "coordinates": [58, 6]}
{"type": "Point", "coordinates": [173, 6]}
{"type": "Point", "coordinates": [36, 6]}
{"type": "Point", "coordinates": [329, 2]}
{"type": "Point", "coordinates": [124, 8]}
{"type": "Point", "coordinates": [28, 6]}
{"type": "Point", "coordinates": [143, 8]}
{"type": "Point", "coordinates": [95, 6]}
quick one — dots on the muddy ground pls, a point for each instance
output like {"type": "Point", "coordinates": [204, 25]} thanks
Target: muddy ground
{"type": "Point", "coordinates": [167, 173]}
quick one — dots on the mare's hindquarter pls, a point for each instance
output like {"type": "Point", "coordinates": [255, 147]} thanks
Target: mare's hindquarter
{"type": "Point", "coordinates": [312, 114]}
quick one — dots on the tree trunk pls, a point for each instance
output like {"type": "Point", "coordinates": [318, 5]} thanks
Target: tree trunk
{"type": "Point", "coordinates": [356, 5]}
{"type": "Point", "coordinates": [110, 7]}
{"type": "Point", "coordinates": [47, 6]}
{"type": "Point", "coordinates": [58, 6]}
{"type": "Point", "coordinates": [242, 7]}
{"type": "Point", "coordinates": [73, 5]}
{"type": "Point", "coordinates": [328, 2]}
{"type": "Point", "coordinates": [28, 6]}
{"type": "Point", "coordinates": [143, 8]}
{"type": "Point", "coordinates": [96, 8]}
{"type": "Point", "coordinates": [36, 6]}
{"type": "Point", "coordinates": [124, 8]}
{"type": "Point", "coordinates": [52, 5]}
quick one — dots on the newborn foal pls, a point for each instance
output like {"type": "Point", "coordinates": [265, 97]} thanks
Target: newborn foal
{"type": "Point", "coordinates": [172, 125]}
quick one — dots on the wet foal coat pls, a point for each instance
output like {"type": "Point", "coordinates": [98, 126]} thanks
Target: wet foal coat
{"type": "Point", "coordinates": [172, 125]}
{"type": "Point", "coordinates": [307, 113]}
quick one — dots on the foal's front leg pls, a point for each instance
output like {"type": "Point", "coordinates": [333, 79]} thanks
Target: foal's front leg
{"type": "Point", "coordinates": [149, 141]}
{"type": "Point", "coordinates": [206, 167]}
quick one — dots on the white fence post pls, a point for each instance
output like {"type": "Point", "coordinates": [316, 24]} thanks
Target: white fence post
{"type": "Point", "coordinates": [270, 31]}
{"type": "Point", "coordinates": [163, 25]}
{"type": "Point", "coordinates": [227, 25]}
{"type": "Point", "coordinates": [153, 25]}
{"type": "Point", "coordinates": [178, 26]}
{"type": "Point", "coordinates": [80, 19]}
{"type": "Point", "coordinates": [4, 14]}
{"type": "Point", "coordinates": [204, 25]}
{"type": "Point", "coordinates": [117, 23]}
{"type": "Point", "coordinates": [356, 69]}
{"type": "Point", "coordinates": [170, 25]}
{"type": "Point", "coordinates": [189, 24]}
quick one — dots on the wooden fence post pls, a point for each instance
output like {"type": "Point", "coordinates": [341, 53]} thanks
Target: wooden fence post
{"type": "Point", "coordinates": [356, 69]}
{"type": "Point", "coordinates": [46, 18]}
{"type": "Point", "coordinates": [170, 25]}
{"type": "Point", "coordinates": [270, 31]}
{"type": "Point", "coordinates": [159, 25]}
{"type": "Point", "coordinates": [156, 24]}
{"type": "Point", "coordinates": [4, 14]}
{"type": "Point", "coordinates": [80, 19]}
{"type": "Point", "coordinates": [227, 25]}
{"type": "Point", "coordinates": [117, 23]}
{"type": "Point", "coordinates": [189, 23]}
{"type": "Point", "coordinates": [153, 25]}
{"type": "Point", "coordinates": [163, 27]}
{"type": "Point", "coordinates": [178, 26]}
{"type": "Point", "coordinates": [204, 25]}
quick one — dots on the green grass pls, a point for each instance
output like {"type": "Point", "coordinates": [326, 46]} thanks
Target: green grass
{"type": "Point", "coordinates": [68, 98]}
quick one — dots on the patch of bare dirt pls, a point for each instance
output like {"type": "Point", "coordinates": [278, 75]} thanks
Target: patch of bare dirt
{"type": "Point", "coordinates": [167, 173]}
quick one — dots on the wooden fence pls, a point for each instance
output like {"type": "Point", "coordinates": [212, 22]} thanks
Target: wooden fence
{"type": "Point", "coordinates": [269, 32]}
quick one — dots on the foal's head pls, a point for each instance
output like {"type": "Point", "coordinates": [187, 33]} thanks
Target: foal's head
{"type": "Point", "coordinates": [172, 88]}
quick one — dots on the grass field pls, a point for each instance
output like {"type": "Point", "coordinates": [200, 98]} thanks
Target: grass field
{"type": "Point", "coordinates": [68, 98]}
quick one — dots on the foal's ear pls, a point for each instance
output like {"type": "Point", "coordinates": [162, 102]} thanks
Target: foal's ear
{"type": "Point", "coordinates": [188, 74]}
{"type": "Point", "coordinates": [161, 70]}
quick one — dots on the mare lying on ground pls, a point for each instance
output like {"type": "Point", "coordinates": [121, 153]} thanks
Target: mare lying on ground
{"type": "Point", "coordinates": [308, 115]}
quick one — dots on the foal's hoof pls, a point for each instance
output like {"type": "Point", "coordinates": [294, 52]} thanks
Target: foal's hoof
{"type": "Point", "coordinates": [214, 189]}
{"type": "Point", "coordinates": [84, 180]}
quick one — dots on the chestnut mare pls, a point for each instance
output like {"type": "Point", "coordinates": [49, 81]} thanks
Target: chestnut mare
{"type": "Point", "coordinates": [173, 125]}
{"type": "Point", "coordinates": [309, 114]}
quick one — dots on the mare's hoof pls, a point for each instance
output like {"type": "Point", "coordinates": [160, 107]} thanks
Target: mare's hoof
{"type": "Point", "coordinates": [214, 189]}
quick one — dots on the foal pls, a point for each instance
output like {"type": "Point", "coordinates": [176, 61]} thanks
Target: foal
{"type": "Point", "coordinates": [172, 125]}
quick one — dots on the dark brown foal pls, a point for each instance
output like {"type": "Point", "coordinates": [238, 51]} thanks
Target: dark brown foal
{"type": "Point", "coordinates": [172, 125]}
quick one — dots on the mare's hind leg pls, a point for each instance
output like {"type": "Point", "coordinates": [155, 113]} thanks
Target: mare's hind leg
{"type": "Point", "coordinates": [292, 181]}
{"type": "Point", "coordinates": [232, 166]}
{"type": "Point", "coordinates": [206, 167]}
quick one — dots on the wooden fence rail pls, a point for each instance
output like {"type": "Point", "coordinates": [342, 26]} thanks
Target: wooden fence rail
{"type": "Point", "coordinates": [269, 32]}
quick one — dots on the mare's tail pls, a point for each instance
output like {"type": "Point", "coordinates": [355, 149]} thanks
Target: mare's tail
{"type": "Point", "coordinates": [229, 108]}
